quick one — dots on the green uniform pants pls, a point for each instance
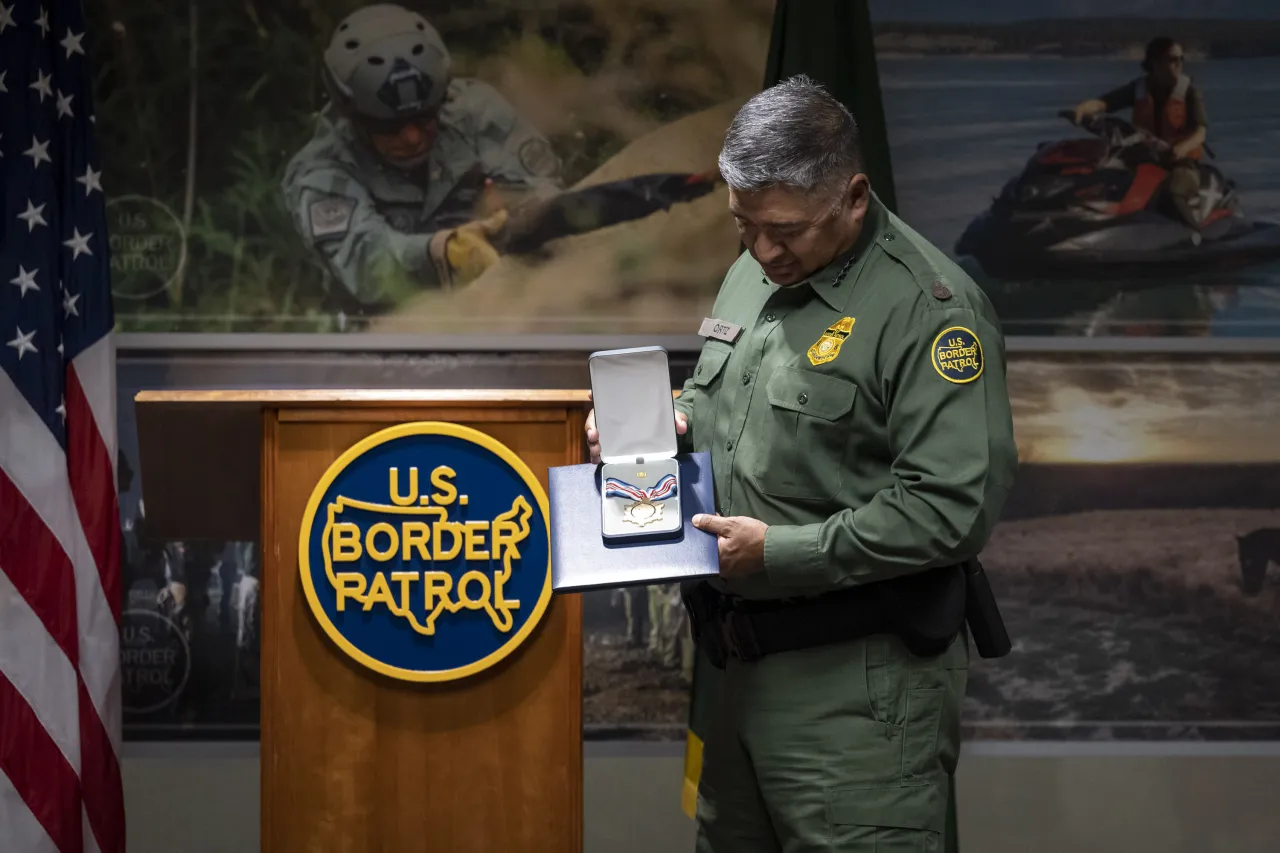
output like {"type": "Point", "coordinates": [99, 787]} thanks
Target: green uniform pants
{"type": "Point", "coordinates": [848, 748]}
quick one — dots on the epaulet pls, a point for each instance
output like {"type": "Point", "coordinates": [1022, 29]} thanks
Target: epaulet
{"type": "Point", "coordinates": [943, 283]}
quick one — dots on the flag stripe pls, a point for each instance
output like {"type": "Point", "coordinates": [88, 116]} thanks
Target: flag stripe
{"type": "Point", "coordinates": [93, 488]}
{"type": "Point", "coordinates": [100, 779]}
{"type": "Point", "coordinates": [37, 467]}
{"type": "Point", "coordinates": [38, 569]}
{"type": "Point", "coordinates": [96, 369]}
{"type": "Point", "coordinates": [38, 770]}
{"type": "Point", "coordinates": [38, 669]}
{"type": "Point", "coordinates": [18, 826]}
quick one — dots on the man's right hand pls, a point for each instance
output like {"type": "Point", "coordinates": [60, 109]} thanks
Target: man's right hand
{"type": "Point", "coordinates": [593, 435]}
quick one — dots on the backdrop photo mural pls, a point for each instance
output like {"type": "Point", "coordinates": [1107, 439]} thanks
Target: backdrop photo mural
{"type": "Point", "coordinates": [1039, 145]}
{"type": "Point", "coordinates": [295, 166]}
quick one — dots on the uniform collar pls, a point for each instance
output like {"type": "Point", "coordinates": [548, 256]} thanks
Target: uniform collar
{"type": "Point", "coordinates": [833, 282]}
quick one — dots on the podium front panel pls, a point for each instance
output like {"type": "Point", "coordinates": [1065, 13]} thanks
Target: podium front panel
{"type": "Point", "coordinates": [353, 760]}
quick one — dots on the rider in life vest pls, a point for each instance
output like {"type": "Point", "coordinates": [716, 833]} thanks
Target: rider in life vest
{"type": "Point", "coordinates": [1169, 106]}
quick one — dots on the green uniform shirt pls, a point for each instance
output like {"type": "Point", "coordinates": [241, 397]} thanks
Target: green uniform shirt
{"type": "Point", "coordinates": [862, 414]}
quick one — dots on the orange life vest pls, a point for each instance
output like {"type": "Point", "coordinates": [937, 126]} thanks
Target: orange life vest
{"type": "Point", "coordinates": [1173, 125]}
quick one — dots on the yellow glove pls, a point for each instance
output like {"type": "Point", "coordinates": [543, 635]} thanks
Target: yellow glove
{"type": "Point", "coordinates": [464, 253]}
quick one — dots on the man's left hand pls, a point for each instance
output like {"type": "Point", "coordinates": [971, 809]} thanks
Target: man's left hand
{"type": "Point", "coordinates": [741, 542]}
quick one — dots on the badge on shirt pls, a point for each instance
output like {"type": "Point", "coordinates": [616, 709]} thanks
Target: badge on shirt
{"type": "Point", "coordinates": [721, 330]}
{"type": "Point", "coordinates": [957, 355]}
{"type": "Point", "coordinates": [827, 347]}
{"type": "Point", "coordinates": [331, 216]}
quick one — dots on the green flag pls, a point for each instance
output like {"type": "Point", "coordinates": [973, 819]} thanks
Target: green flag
{"type": "Point", "coordinates": [831, 41]}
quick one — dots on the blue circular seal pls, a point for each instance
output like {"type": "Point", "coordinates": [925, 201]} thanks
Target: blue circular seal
{"type": "Point", "coordinates": [957, 355]}
{"type": "Point", "coordinates": [425, 552]}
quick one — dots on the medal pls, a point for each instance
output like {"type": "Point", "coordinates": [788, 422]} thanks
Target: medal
{"type": "Point", "coordinates": [647, 504]}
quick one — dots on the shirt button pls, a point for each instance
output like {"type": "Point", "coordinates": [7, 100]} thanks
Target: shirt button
{"type": "Point", "coordinates": [770, 317]}
{"type": "Point", "coordinates": [746, 378]}
{"type": "Point", "coordinates": [802, 399]}
{"type": "Point", "coordinates": [728, 445]}
{"type": "Point", "coordinates": [888, 238]}
{"type": "Point", "coordinates": [699, 369]}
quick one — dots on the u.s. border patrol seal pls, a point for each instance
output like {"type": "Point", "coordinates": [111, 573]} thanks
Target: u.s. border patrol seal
{"type": "Point", "coordinates": [425, 552]}
{"type": "Point", "coordinates": [957, 355]}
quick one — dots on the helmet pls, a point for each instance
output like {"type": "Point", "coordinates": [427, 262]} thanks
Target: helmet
{"type": "Point", "coordinates": [386, 64]}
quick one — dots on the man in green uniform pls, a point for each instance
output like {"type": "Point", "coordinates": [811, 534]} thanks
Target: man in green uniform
{"type": "Point", "coordinates": [851, 394]}
{"type": "Point", "coordinates": [387, 191]}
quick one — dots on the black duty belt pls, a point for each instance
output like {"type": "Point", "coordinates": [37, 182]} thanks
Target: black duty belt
{"type": "Point", "coordinates": [925, 610]}
{"type": "Point", "coordinates": [728, 626]}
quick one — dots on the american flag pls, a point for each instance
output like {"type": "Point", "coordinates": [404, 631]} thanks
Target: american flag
{"type": "Point", "coordinates": [60, 703]}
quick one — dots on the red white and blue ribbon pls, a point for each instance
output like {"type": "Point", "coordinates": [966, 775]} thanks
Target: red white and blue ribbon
{"type": "Point", "coordinates": [660, 491]}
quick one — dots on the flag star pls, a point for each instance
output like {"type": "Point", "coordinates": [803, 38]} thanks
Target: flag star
{"type": "Point", "coordinates": [6, 17]}
{"type": "Point", "coordinates": [3, 87]}
{"type": "Point", "coordinates": [69, 304]}
{"type": "Point", "coordinates": [22, 343]}
{"type": "Point", "coordinates": [25, 280]}
{"type": "Point", "coordinates": [42, 85]}
{"type": "Point", "coordinates": [92, 180]}
{"type": "Point", "coordinates": [37, 152]}
{"type": "Point", "coordinates": [33, 216]}
{"type": "Point", "coordinates": [79, 244]}
{"type": "Point", "coordinates": [43, 21]}
{"type": "Point", "coordinates": [59, 347]}
{"type": "Point", "coordinates": [72, 43]}
{"type": "Point", "coordinates": [64, 105]}
{"type": "Point", "coordinates": [62, 408]}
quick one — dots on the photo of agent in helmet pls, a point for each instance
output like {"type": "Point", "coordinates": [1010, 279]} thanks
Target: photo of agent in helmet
{"type": "Point", "coordinates": [385, 192]}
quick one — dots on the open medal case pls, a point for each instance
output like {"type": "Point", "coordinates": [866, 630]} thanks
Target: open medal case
{"type": "Point", "coordinates": [635, 416]}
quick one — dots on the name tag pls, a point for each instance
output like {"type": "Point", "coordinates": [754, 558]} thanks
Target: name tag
{"type": "Point", "coordinates": [720, 330]}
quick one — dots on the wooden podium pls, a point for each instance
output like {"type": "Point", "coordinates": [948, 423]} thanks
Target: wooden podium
{"type": "Point", "coordinates": [353, 760]}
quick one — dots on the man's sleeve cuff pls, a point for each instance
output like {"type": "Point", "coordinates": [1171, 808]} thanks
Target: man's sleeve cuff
{"type": "Point", "coordinates": [792, 556]}
{"type": "Point", "coordinates": [412, 251]}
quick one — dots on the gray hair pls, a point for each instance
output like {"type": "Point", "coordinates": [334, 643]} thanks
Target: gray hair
{"type": "Point", "coordinates": [793, 134]}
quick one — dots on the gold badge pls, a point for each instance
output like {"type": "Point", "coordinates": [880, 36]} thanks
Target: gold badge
{"type": "Point", "coordinates": [827, 347]}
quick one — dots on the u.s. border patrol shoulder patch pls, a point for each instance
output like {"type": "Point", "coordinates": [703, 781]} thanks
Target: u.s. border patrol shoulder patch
{"type": "Point", "coordinates": [537, 156]}
{"type": "Point", "coordinates": [957, 355]}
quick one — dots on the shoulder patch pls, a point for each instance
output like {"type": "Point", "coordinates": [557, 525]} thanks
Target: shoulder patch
{"type": "Point", "coordinates": [538, 158]}
{"type": "Point", "coordinates": [330, 216]}
{"type": "Point", "coordinates": [957, 355]}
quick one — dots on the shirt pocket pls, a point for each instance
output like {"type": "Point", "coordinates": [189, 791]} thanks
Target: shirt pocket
{"type": "Point", "coordinates": [706, 375]}
{"type": "Point", "coordinates": [805, 432]}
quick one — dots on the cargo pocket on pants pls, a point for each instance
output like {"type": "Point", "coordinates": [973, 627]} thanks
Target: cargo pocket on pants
{"type": "Point", "coordinates": [887, 819]}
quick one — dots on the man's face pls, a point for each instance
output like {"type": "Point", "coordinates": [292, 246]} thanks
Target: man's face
{"type": "Point", "coordinates": [408, 145]}
{"type": "Point", "coordinates": [792, 235]}
{"type": "Point", "coordinates": [1167, 68]}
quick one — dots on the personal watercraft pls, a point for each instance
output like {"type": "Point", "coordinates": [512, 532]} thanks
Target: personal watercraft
{"type": "Point", "coordinates": [1096, 207]}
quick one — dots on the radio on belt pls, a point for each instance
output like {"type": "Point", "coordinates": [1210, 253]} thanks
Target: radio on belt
{"type": "Point", "coordinates": [635, 416]}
